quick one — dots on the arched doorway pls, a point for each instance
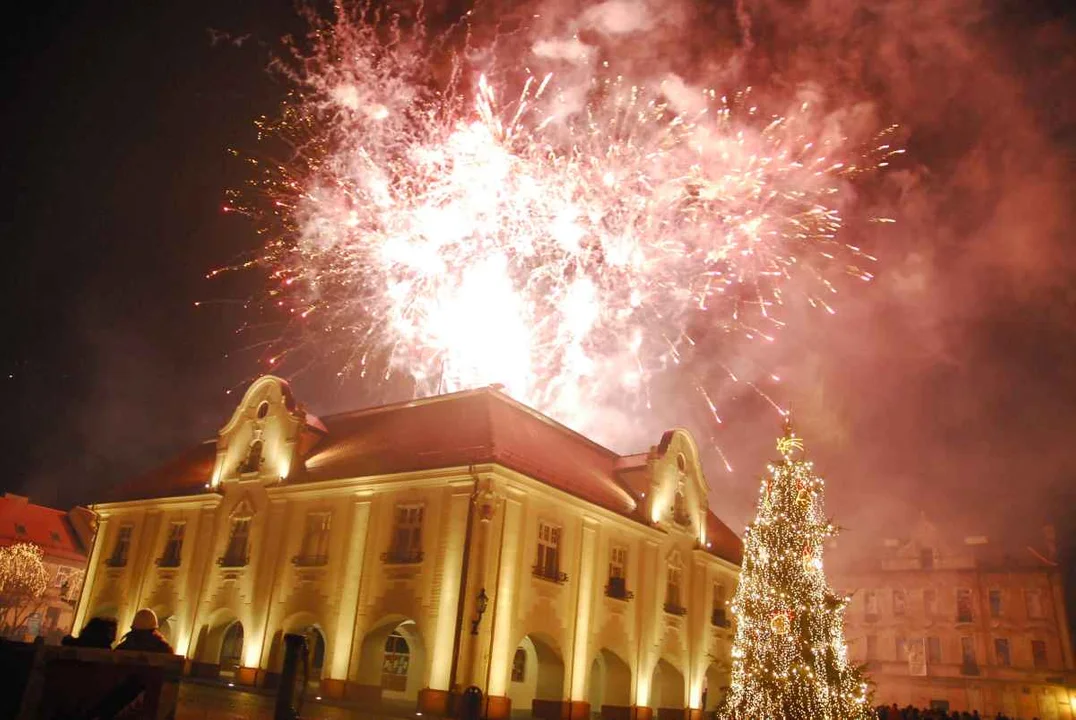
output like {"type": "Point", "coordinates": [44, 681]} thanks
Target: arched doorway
{"type": "Point", "coordinates": [610, 681]}
{"type": "Point", "coordinates": [231, 648]}
{"type": "Point", "coordinates": [667, 690]}
{"type": "Point", "coordinates": [715, 686]}
{"type": "Point", "coordinates": [315, 643]}
{"type": "Point", "coordinates": [392, 663]}
{"type": "Point", "coordinates": [537, 676]}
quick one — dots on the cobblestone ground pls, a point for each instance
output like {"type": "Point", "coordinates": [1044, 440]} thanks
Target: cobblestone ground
{"type": "Point", "coordinates": [203, 701]}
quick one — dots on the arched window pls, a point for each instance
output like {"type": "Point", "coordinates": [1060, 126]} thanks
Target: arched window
{"type": "Point", "coordinates": [253, 462]}
{"type": "Point", "coordinates": [673, 580]}
{"type": "Point", "coordinates": [231, 649]}
{"type": "Point", "coordinates": [263, 409]}
{"type": "Point", "coordinates": [519, 665]}
{"type": "Point", "coordinates": [397, 662]}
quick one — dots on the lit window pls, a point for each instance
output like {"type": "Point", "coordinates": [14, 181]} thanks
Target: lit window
{"type": "Point", "coordinates": [1038, 654]}
{"type": "Point", "coordinates": [315, 545]}
{"type": "Point", "coordinates": [930, 602]}
{"type": "Point", "coordinates": [237, 554]}
{"type": "Point", "coordinates": [1033, 600]}
{"type": "Point", "coordinates": [173, 545]}
{"type": "Point", "coordinates": [397, 663]}
{"type": "Point", "coordinates": [519, 665]}
{"type": "Point", "coordinates": [963, 605]}
{"type": "Point", "coordinates": [934, 652]}
{"type": "Point", "coordinates": [547, 564]}
{"type": "Point", "coordinates": [406, 545]}
{"type": "Point", "coordinates": [618, 560]}
{"type": "Point", "coordinates": [1001, 652]}
{"type": "Point", "coordinates": [995, 603]}
{"type": "Point", "coordinates": [118, 558]}
{"type": "Point", "coordinates": [673, 579]}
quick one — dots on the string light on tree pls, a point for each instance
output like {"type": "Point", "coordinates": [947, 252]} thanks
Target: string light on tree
{"type": "Point", "coordinates": [789, 659]}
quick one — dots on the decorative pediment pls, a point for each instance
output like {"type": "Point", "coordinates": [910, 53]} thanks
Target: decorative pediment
{"type": "Point", "coordinates": [264, 437]}
{"type": "Point", "coordinates": [243, 510]}
{"type": "Point", "coordinates": [678, 494]}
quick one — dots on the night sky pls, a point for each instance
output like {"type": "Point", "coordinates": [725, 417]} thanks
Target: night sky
{"type": "Point", "coordinates": [949, 385]}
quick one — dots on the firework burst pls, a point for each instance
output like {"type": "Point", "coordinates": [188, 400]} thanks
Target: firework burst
{"type": "Point", "coordinates": [561, 240]}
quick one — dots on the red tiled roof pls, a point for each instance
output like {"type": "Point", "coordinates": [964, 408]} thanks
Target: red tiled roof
{"type": "Point", "coordinates": [723, 542]}
{"type": "Point", "coordinates": [49, 529]}
{"type": "Point", "coordinates": [185, 474]}
{"type": "Point", "coordinates": [479, 426]}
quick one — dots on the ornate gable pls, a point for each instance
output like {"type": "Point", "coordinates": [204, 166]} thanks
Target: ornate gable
{"type": "Point", "coordinates": [260, 440]}
{"type": "Point", "coordinates": [678, 497]}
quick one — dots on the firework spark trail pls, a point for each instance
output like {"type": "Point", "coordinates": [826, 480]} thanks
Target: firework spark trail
{"type": "Point", "coordinates": [565, 253]}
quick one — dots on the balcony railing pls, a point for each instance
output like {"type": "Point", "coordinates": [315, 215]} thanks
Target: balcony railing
{"type": "Point", "coordinates": [673, 608]}
{"type": "Point", "coordinates": [233, 560]}
{"type": "Point", "coordinates": [550, 574]}
{"type": "Point", "coordinates": [171, 560]}
{"type": "Point", "coordinates": [116, 561]}
{"type": "Point", "coordinates": [618, 589]}
{"type": "Point", "coordinates": [719, 618]}
{"type": "Point", "coordinates": [402, 556]}
{"type": "Point", "coordinates": [310, 560]}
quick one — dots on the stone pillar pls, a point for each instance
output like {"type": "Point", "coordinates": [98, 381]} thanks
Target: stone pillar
{"type": "Point", "coordinates": [503, 604]}
{"type": "Point", "coordinates": [435, 698]}
{"type": "Point", "coordinates": [579, 668]}
{"type": "Point", "coordinates": [351, 575]}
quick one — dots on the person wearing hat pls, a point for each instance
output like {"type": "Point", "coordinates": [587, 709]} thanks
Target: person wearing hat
{"type": "Point", "coordinates": [144, 635]}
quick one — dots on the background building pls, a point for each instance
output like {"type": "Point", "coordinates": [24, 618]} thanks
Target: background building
{"type": "Point", "coordinates": [962, 623]}
{"type": "Point", "coordinates": [431, 545]}
{"type": "Point", "coordinates": [64, 538]}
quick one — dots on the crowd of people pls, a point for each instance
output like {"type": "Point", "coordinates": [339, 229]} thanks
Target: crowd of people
{"type": "Point", "coordinates": [144, 636]}
{"type": "Point", "coordinates": [892, 712]}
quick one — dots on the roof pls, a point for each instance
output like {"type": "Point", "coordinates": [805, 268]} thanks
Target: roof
{"type": "Point", "coordinates": [473, 427]}
{"type": "Point", "coordinates": [48, 528]}
{"type": "Point", "coordinates": [185, 474]}
{"type": "Point", "coordinates": [468, 428]}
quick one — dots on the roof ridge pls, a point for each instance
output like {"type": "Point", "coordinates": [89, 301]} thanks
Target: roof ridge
{"type": "Point", "coordinates": [402, 404]}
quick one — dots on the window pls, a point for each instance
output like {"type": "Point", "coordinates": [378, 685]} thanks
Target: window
{"type": "Point", "coordinates": [1038, 654]}
{"type": "Point", "coordinates": [719, 614]}
{"type": "Point", "coordinates": [253, 462]}
{"type": "Point", "coordinates": [995, 603]}
{"type": "Point", "coordinates": [237, 553]}
{"type": "Point", "coordinates": [315, 546]}
{"type": "Point", "coordinates": [926, 558]}
{"type": "Point", "coordinates": [898, 602]}
{"type": "Point", "coordinates": [902, 648]}
{"type": "Point", "coordinates": [618, 587]}
{"type": "Point", "coordinates": [1001, 652]}
{"type": "Point", "coordinates": [173, 545]}
{"type": "Point", "coordinates": [930, 602]}
{"type": "Point", "coordinates": [934, 653]}
{"type": "Point", "coordinates": [547, 565]}
{"type": "Point", "coordinates": [122, 547]}
{"type": "Point", "coordinates": [519, 665]}
{"type": "Point", "coordinates": [1033, 600]}
{"type": "Point", "coordinates": [870, 602]}
{"type": "Point", "coordinates": [406, 548]}
{"type": "Point", "coordinates": [263, 409]}
{"type": "Point", "coordinates": [872, 647]}
{"type": "Point", "coordinates": [397, 662]}
{"type": "Point", "coordinates": [967, 656]}
{"type": "Point", "coordinates": [673, 580]}
{"type": "Point", "coordinates": [963, 605]}
{"type": "Point", "coordinates": [680, 514]}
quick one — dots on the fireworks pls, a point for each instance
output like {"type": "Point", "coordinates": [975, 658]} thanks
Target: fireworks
{"type": "Point", "coordinates": [563, 240]}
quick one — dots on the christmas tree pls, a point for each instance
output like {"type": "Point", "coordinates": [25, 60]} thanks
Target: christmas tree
{"type": "Point", "coordinates": [789, 659]}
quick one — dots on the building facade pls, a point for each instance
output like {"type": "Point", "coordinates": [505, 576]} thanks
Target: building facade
{"type": "Point", "coordinates": [426, 547]}
{"type": "Point", "coordinates": [962, 625]}
{"type": "Point", "coordinates": [64, 538]}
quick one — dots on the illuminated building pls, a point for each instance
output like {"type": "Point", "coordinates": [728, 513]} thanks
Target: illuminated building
{"type": "Point", "coordinates": [458, 540]}
{"type": "Point", "coordinates": [63, 538]}
{"type": "Point", "coordinates": [962, 624]}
